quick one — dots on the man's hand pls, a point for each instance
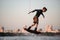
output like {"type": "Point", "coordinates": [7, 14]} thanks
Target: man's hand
{"type": "Point", "coordinates": [43, 16]}
{"type": "Point", "coordinates": [28, 13]}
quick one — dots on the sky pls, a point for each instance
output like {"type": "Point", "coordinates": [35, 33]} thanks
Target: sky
{"type": "Point", "coordinates": [14, 13]}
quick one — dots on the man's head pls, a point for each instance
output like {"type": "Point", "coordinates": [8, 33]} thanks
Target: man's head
{"type": "Point", "coordinates": [44, 9]}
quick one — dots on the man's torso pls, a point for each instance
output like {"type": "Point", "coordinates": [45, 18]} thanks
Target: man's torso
{"type": "Point", "coordinates": [38, 12]}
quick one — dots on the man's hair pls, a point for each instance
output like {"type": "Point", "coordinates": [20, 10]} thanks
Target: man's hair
{"type": "Point", "coordinates": [45, 8]}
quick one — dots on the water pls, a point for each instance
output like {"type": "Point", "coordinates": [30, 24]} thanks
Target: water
{"type": "Point", "coordinates": [30, 38]}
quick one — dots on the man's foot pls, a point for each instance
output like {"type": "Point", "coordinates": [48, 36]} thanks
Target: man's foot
{"type": "Point", "coordinates": [35, 29]}
{"type": "Point", "coordinates": [29, 28]}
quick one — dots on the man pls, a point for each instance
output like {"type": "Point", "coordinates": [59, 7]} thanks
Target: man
{"type": "Point", "coordinates": [35, 18]}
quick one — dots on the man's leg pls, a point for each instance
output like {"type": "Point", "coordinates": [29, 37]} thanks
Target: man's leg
{"type": "Point", "coordinates": [37, 21]}
{"type": "Point", "coordinates": [31, 26]}
{"type": "Point", "coordinates": [36, 27]}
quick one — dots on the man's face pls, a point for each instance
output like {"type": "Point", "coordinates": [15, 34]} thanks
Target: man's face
{"type": "Point", "coordinates": [44, 10]}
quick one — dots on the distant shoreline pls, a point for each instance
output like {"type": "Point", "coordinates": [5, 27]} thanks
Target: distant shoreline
{"type": "Point", "coordinates": [25, 34]}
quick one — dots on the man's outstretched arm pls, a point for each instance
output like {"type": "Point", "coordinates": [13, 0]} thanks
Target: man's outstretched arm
{"type": "Point", "coordinates": [43, 15]}
{"type": "Point", "coordinates": [32, 11]}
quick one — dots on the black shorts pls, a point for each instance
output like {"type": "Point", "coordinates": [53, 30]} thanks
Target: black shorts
{"type": "Point", "coordinates": [35, 20]}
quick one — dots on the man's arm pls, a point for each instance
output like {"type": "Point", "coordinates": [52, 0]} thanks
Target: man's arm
{"type": "Point", "coordinates": [32, 11]}
{"type": "Point", "coordinates": [43, 15]}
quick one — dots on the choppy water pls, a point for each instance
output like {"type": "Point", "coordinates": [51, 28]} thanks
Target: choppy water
{"type": "Point", "coordinates": [30, 38]}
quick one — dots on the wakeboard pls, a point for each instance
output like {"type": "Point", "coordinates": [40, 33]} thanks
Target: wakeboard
{"type": "Point", "coordinates": [32, 31]}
